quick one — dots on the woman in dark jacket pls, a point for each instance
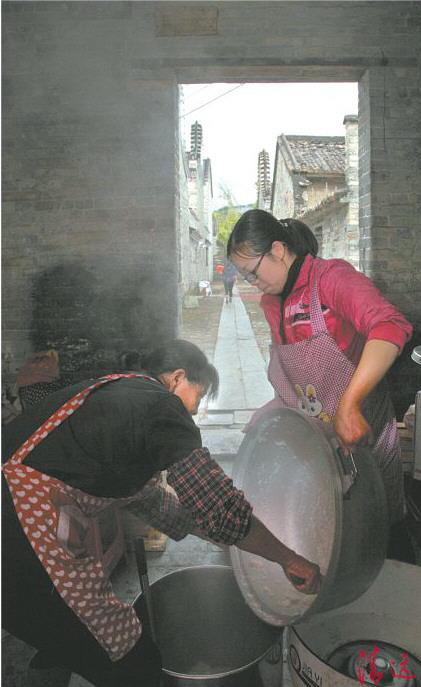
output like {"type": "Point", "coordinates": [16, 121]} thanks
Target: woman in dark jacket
{"type": "Point", "coordinates": [84, 447]}
{"type": "Point", "coordinates": [230, 275]}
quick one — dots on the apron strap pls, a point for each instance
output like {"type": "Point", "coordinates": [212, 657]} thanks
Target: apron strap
{"type": "Point", "coordinates": [318, 324]}
{"type": "Point", "coordinates": [62, 413]}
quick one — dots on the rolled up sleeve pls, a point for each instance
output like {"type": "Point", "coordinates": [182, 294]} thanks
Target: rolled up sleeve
{"type": "Point", "coordinates": [158, 507]}
{"type": "Point", "coordinates": [217, 507]}
{"type": "Point", "coordinates": [356, 299]}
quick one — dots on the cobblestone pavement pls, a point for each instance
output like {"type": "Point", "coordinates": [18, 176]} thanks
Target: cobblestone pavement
{"type": "Point", "coordinates": [200, 324]}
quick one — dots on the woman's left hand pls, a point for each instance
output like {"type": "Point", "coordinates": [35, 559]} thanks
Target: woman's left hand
{"type": "Point", "coordinates": [303, 574]}
{"type": "Point", "coordinates": [350, 425]}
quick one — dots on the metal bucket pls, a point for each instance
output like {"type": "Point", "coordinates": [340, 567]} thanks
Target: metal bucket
{"type": "Point", "coordinates": [207, 634]}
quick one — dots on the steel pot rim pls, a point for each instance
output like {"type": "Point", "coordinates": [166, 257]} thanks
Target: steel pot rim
{"type": "Point", "coordinates": [216, 676]}
{"type": "Point", "coordinates": [212, 676]}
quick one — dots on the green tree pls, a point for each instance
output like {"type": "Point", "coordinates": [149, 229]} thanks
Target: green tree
{"type": "Point", "coordinates": [227, 216]}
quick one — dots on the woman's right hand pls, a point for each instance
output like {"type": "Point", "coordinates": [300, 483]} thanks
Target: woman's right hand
{"type": "Point", "coordinates": [350, 424]}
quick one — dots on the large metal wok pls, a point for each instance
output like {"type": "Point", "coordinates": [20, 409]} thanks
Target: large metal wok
{"type": "Point", "coordinates": [327, 505]}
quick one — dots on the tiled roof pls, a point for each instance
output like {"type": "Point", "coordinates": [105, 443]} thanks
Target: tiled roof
{"type": "Point", "coordinates": [316, 154]}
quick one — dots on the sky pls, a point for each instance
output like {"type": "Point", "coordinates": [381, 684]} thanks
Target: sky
{"type": "Point", "coordinates": [245, 118]}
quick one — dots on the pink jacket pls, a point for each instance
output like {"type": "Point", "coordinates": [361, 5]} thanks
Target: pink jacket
{"type": "Point", "coordinates": [354, 309]}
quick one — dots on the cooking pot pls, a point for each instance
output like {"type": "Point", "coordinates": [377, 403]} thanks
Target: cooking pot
{"type": "Point", "coordinates": [323, 502]}
{"type": "Point", "coordinates": [334, 649]}
{"type": "Point", "coordinates": [207, 635]}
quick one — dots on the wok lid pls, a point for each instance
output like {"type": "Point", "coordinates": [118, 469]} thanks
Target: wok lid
{"type": "Point", "coordinates": [288, 469]}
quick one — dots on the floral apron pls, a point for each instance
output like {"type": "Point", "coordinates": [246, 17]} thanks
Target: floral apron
{"type": "Point", "coordinates": [312, 375]}
{"type": "Point", "coordinates": [44, 505]}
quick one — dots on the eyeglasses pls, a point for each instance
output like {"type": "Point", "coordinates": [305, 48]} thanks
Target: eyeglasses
{"type": "Point", "coordinates": [251, 276]}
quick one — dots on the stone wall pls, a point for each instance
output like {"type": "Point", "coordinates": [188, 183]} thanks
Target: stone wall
{"type": "Point", "coordinates": [319, 189]}
{"type": "Point", "coordinates": [352, 229]}
{"type": "Point", "coordinates": [283, 190]}
{"type": "Point", "coordinates": [390, 199]}
{"type": "Point", "coordinates": [328, 223]}
{"type": "Point", "coordinates": [89, 144]}
{"type": "Point", "coordinates": [91, 139]}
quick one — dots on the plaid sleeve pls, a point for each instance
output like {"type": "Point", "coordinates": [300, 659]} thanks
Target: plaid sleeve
{"type": "Point", "coordinates": [161, 509]}
{"type": "Point", "coordinates": [217, 507]}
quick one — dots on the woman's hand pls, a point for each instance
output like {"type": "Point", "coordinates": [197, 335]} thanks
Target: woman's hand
{"type": "Point", "coordinates": [304, 575]}
{"type": "Point", "coordinates": [350, 425]}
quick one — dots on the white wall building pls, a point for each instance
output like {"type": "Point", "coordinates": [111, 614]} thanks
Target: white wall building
{"type": "Point", "coordinates": [195, 221]}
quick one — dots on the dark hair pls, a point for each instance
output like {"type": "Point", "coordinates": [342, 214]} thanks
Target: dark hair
{"type": "Point", "coordinates": [182, 354]}
{"type": "Point", "coordinates": [256, 230]}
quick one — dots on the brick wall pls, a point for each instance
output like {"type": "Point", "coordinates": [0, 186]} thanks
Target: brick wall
{"type": "Point", "coordinates": [328, 223]}
{"type": "Point", "coordinates": [89, 238]}
{"type": "Point", "coordinates": [352, 231]}
{"type": "Point", "coordinates": [319, 189]}
{"type": "Point", "coordinates": [90, 144]}
{"type": "Point", "coordinates": [390, 200]}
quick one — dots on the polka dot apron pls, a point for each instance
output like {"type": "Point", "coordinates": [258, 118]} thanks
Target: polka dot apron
{"type": "Point", "coordinates": [80, 581]}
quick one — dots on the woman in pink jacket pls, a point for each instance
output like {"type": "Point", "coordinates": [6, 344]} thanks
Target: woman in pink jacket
{"type": "Point", "coordinates": [334, 337]}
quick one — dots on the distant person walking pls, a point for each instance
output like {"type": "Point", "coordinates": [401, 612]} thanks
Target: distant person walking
{"type": "Point", "coordinates": [230, 275]}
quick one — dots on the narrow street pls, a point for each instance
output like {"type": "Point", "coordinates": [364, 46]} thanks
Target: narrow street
{"type": "Point", "coordinates": [236, 338]}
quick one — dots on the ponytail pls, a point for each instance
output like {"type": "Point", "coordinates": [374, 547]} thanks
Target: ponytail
{"type": "Point", "coordinates": [300, 239]}
{"type": "Point", "coordinates": [256, 230]}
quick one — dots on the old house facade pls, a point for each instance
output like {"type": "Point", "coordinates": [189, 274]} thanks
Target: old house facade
{"type": "Point", "coordinates": [307, 169]}
{"type": "Point", "coordinates": [334, 218]}
{"type": "Point", "coordinates": [196, 238]}
{"type": "Point", "coordinates": [316, 181]}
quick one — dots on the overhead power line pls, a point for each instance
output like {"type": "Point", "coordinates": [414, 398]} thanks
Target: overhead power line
{"type": "Point", "coordinates": [212, 101]}
{"type": "Point", "coordinates": [193, 93]}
